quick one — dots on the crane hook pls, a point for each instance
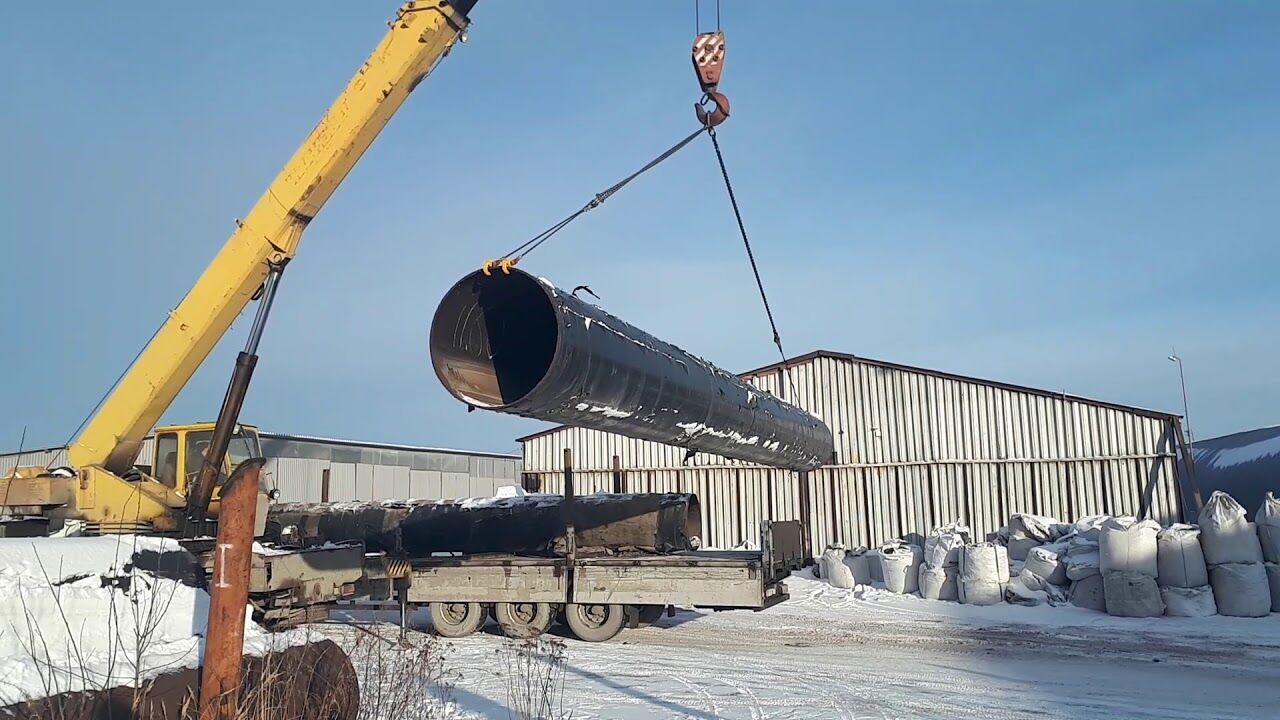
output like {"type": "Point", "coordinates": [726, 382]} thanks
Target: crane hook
{"type": "Point", "coordinates": [708, 64]}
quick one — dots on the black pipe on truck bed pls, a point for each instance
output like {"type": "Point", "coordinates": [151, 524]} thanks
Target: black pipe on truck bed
{"type": "Point", "coordinates": [527, 525]}
{"type": "Point", "coordinates": [517, 344]}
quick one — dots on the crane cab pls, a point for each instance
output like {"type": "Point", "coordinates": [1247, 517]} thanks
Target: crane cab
{"type": "Point", "coordinates": [178, 452]}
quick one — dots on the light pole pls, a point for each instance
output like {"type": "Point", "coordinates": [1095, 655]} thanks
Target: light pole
{"type": "Point", "coordinates": [1186, 412]}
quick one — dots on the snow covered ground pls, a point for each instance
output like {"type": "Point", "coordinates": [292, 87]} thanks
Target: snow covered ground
{"type": "Point", "coordinates": [866, 653]}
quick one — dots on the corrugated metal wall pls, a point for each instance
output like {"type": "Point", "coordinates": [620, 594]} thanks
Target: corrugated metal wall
{"type": "Point", "coordinates": [296, 466]}
{"type": "Point", "coordinates": [915, 449]}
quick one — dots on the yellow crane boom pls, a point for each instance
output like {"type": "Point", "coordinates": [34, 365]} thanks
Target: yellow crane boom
{"type": "Point", "coordinates": [421, 34]}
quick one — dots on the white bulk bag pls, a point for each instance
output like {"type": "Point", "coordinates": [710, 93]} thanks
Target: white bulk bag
{"type": "Point", "coordinates": [1268, 519]}
{"type": "Point", "coordinates": [1225, 535]}
{"type": "Point", "coordinates": [834, 570]}
{"type": "Point", "coordinates": [939, 583]}
{"type": "Point", "coordinates": [1046, 564]}
{"type": "Point", "coordinates": [1020, 546]}
{"type": "Point", "coordinates": [1128, 545]}
{"type": "Point", "coordinates": [1188, 601]}
{"type": "Point", "coordinates": [984, 570]}
{"type": "Point", "coordinates": [856, 561]}
{"type": "Point", "coordinates": [1180, 559]}
{"type": "Point", "coordinates": [1090, 528]}
{"type": "Point", "coordinates": [900, 564]}
{"type": "Point", "coordinates": [1083, 561]}
{"type": "Point", "coordinates": [942, 547]}
{"type": "Point", "coordinates": [1016, 592]}
{"type": "Point", "coordinates": [1087, 592]}
{"type": "Point", "coordinates": [1038, 527]}
{"type": "Point", "coordinates": [1241, 589]}
{"type": "Point", "coordinates": [1131, 594]}
{"type": "Point", "coordinates": [1054, 594]}
{"type": "Point", "coordinates": [1273, 579]}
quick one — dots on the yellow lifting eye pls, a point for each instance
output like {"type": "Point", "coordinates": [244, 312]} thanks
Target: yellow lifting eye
{"type": "Point", "coordinates": [503, 264]}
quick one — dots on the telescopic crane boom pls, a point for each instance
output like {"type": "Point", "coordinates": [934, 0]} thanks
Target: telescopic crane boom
{"type": "Point", "coordinates": [421, 33]}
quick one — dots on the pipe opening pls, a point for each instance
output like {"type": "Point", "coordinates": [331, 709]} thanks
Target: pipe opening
{"type": "Point", "coordinates": [493, 338]}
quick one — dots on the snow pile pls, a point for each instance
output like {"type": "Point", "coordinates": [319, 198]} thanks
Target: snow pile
{"type": "Point", "coordinates": [101, 612]}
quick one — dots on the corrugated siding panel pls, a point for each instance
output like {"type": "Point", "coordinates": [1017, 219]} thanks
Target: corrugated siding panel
{"type": "Point", "coordinates": [297, 479]}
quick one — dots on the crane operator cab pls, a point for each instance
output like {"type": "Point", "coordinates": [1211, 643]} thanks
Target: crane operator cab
{"type": "Point", "coordinates": [179, 452]}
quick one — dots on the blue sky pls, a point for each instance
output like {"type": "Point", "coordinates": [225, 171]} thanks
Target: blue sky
{"type": "Point", "coordinates": [1053, 194]}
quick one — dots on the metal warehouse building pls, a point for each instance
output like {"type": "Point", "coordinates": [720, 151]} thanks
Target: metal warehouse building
{"type": "Point", "coordinates": [310, 469]}
{"type": "Point", "coordinates": [915, 448]}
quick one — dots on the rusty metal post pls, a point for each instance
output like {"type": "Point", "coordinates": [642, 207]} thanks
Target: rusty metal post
{"type": "Point", "coordinates": [229, 593]}
{"type": "Point", "coordinates": [571, 543]}
{"type": "Point", "coordinates": [618, 485]}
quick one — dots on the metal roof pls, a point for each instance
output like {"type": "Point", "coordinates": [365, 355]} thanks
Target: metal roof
{"type": "Point", "coordinates": [383, 446]}
{"type": "Point", "coordinates": [811, 356]}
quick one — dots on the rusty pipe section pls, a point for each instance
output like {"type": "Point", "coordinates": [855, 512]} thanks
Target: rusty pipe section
{"type": "Point", "coordinates": [515, 343]}
{"type": "Point", "coordinates": [229, 593]}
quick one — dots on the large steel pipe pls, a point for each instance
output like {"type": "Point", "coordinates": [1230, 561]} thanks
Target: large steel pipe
{"type": "Point", "coordinates": [517, 344]}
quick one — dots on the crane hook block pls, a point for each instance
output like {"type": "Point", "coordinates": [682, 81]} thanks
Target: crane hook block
{"type": "Point", "coordinates": [708, 59]}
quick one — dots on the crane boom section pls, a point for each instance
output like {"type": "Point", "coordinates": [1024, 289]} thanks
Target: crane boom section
{"type": "Point", "coordinates": [422, 33]}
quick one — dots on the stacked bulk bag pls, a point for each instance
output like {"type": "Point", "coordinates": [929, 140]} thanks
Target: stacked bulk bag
{"type": "Point", "coordinates": [940, 566]}
{"type": "Point", "coordinates": [1026, 531]}
{"type": "Point", "coordinates": [1273, 579]}
{"type": "Point", "coordinates": [1225, 534]}
{"type": "Point", "coordinates": [939, 583]}
{"type": "Point", "coordinates": [1188, 602]}
{"type": "Point", "coordinates": [984, 572]}
{"type": "Point", "coordinates": [1088, 592]}
{"type": "Point", "coordinates": [833, 569]}
{"type": "Point", "coordinates": [856, 561]}
{"type": "Point", "coordinates": [1234, 555]}
{"type": "Point", "coordinates": [1083, 558]}
{"type": "Point", "coordinates": [1127, 551]}
{"type": "Point", "coordinates": [1268, 519]}
{"type": "Point", "coordinates": [1179, 559]}
{"type": "Point", "coordinates": [900, 564]}
{"type": "Point", "coordinates": [1131, 594]}
{"type": "Point", "coordinates": [1127, 544]}
{"type": "Point", "coordinates": [1241, 589]}
{"type": "Point", "coordinates": [1182, 573]}
{"type": "Point", "coordinates": [942, 547]}
{"type": "Point", "coordinates": [1084, 565]}
{"type": "Point", "coordinates": [1048, 562]}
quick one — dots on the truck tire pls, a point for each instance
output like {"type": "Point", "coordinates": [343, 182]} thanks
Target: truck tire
{"type": "Point", "coordinates": [523, 620]}
{"type": "Point", "coordinates": [594, 623]}
{"type": "Point", "coordinates": [455, 620]}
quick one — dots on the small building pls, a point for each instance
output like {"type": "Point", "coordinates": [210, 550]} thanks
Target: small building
{"type": "Point", "coordinates": [915, 448]}
{"type": "Point", "coordinates": [312, 469]}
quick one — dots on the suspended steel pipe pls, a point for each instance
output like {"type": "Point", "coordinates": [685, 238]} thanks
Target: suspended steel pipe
{"type": "Point", "coordinates": [517, 344]}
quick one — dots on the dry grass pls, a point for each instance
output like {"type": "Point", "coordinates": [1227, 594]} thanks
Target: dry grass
{"type": "Point", "coordinates": [535, 678]}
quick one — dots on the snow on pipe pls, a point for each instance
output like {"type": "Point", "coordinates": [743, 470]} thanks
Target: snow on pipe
{"type": "Point", "coordinates": [517, 344]}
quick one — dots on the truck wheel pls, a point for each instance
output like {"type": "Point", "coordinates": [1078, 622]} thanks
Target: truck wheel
{"type": "Point", "coordinates": [594, 623]}
{"type": "Point", "coordinates": [455, 620]}
{"type": "Point", "coordinates": [523, 620]}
